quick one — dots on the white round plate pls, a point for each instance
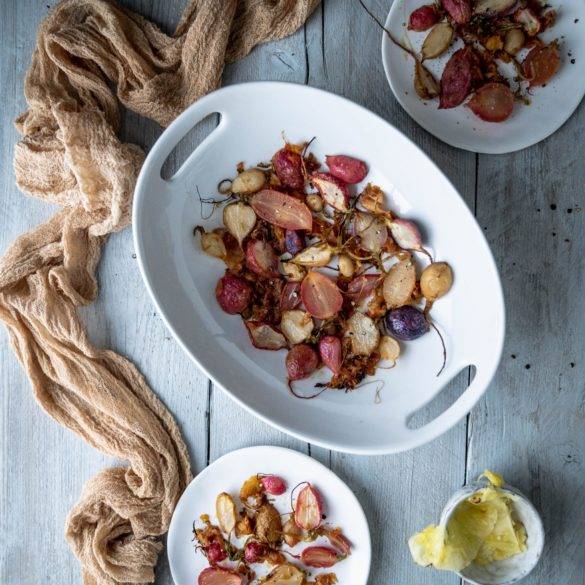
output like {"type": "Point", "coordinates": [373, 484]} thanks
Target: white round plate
{"type": "Point", "coordinates": [228, 473]}
{"type": "Point", "coordinates": [182, 279]}
{"type": "Point", "coordinates": [551, 106]}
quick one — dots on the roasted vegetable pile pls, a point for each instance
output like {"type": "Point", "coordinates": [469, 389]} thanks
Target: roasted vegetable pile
{"type": "Point", "coordinates": [267, 537]}
{"type": "Point", "coordinates": [314, 268]}
{"type": "Point", "coordinates": [487, 34]}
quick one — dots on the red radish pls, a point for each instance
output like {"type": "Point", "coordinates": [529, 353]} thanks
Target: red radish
{"type": "Point", "coordinates": [288, 168]}
{"type": "Point", "coordinates": [347, 168]}
{"type": "Point", "coordinates": [423, 18]}
{"type": "Point", "coordinates": [261, 259]}
{"type": "Point", "coordinates": [216, 576]}
{"type": "Point", "coordinates": [308, 508]}
{"type": "Point", "coordinates": [338, 541]}
{"type": "Point", "coordinates": [215, 553]}
{"type": "Point", "coordinates": [254, 551]}
{"type": "Point", "coordinates": [457, 78]}
{"type": "Point", "coordinates": [541, 64]}
{"type": "Point", "coordinates": [294, 241]}
{"type": "Point", "coordinates": [320, 295]}
{"type": "Point", "coordinates": [330, 352]}
{"type": "Point", "coordinates": [273, 485]}
{"type": "Point", "coordinates": [233, 294]}
{"type": "Point", "coordinates": [459, 10]}
{"type": "Point", "coordinates": [301, 361]}
{"type": "Point", "coordinates": [265, 336]}
{"type": "Point", "coordinates": [493, 102]}
{"type": "Point", "coordinates": [528, 20]}
{"type": "Point", "coordinates": [282, 210]}
{"type": "Point", "coordinates": [319, 557]}
{"type": "Point", "coordinates": [363, 286]}
{"type": "Point", "coordinates": [333, 190]}
{"type": "Point", "coordinates": [406, 234]}
{"type": "Point", "coordinates": [492, 7]}
{"type": "Point", "coordinates": [371, 230]}
{"type": "Point", "coordinates": [290, 298]}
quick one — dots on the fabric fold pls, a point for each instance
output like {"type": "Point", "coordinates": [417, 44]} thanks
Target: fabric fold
{"type": "Point", "coordinates": [92, 55]}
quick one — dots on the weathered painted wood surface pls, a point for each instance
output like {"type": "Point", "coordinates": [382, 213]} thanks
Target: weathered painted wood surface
{"type": "Point", "coordinates": [530, 424]}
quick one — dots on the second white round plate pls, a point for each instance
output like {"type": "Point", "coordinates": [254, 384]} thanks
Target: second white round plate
{"type": "Point", "coordinates": [550, 107]}
{"type": "Point", "coordinates": [227, 474]}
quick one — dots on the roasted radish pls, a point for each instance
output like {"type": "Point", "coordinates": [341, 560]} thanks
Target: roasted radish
{"type": "Point", "coordinates": [261, 259]}
{"type": "Point", "coordinates": [406, 234]}
{"type": "Point", "coordinates": [399, 284]}
{"type": "Point", "coordinates": [436, 280]}
{"type": "Point", "coordinates": [316, 255]}
{"type": "Point", "coordinates": [285, 575]}
{"type": "Point", "coordinates": [459, 10]}
{"type": "Point", "coordinates": [541, 64]}
{"type": "Point", "coordinates": [493, 102]}
{"type": "Point", "coordinates": [491, 7]}
{"type": "Point", "coordinates": [320, 295]}
{"type": "Point", "coordinates": [216, 576]}
{"type": "Point", "coordinates": [363, 333]}
{"type": "Point", "coordinates": [437, 41]}
{"type": "Point", "coordinates": [319, 557]}
{"type": "Point", "coordinates": [297, 326]}
{"type": "Point", "coordinates": [282, 210]}
{"type": "Point", "coordinates": [389, 349]}
{"type": "Point", "coordinates": [239, 219]}
{"type": "Point", "coordinates": [423, 18]}
{"type": "Point", "coordinates": [457, 78]}
{"type": "Point", "coordinates": [406, 323]}
{"type": "Point", "coordinates": [290, 298]}
{"type": "Point", "coordinates": [425, 84]}
{"type": "Point", "coordinates": [248, 182]}
{"type": "Point", "coordinates": [254, 552]}
{"type": "Point", "coordinates": [301, 362]}
{"type": "Point", "coordinates": [371, 230]}
{"type": "Point", "coordinates": [308, 508]}
{"type": "Point", "coordinates": [337, 540]}
{"type": "Point", "coordinates": [274, 485]}
{"type": "Point", "coordinates": [347, 168]}
{"type": "Point", "coordinates": [288, 168]}
{"type": "Point", "coordinates": [330, 352]}
{"type": "Point", "coordinates": [363, 286]}
{"type": "Point", "coordinates": [265, 336]}
{"type": "Point", "coordinates": [215, 553]}
{"type": "Point", "coordinates": [233, 294]}
{"type": "Point", "coordinates": [333, 191]}
{"type": "Point", "coordinates": [225, 508]}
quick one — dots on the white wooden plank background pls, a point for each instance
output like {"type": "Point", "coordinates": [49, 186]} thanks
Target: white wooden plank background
{"type": "Point", "coordinates": [530, 425]}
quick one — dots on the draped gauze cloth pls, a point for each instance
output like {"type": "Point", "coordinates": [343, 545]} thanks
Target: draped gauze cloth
{"type": "Point", "coordinates": [88, 53]}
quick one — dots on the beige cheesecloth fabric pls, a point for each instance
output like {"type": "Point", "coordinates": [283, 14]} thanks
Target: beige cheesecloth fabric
{"type": "Point", "coordinates": [70, 155]}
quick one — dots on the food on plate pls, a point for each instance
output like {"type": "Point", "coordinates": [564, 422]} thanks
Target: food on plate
{"type": "Point", "coordinates": [482, 529]}
{"type": "Point", "coordinates": [265, 536]}
{"type": "Point", "coordinates": [337, 283]}
{"type": "Point", "coordinates": [498, 55]}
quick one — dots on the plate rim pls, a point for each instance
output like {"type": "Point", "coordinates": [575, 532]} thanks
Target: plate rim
{"type": "Point", "coordinates": [458, 144]}
{"type": "Point", "coordinates": [416, 440]}
{"type": "Point", "coordinates": [278, 449]}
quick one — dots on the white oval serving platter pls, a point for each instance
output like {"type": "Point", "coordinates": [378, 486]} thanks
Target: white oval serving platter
{"type": "Point", "coordinates": [227, 474]}
{"type": "Point", "coordinates": [181, 278]}
{"type": "Point", "coordinates": [550, 107]}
